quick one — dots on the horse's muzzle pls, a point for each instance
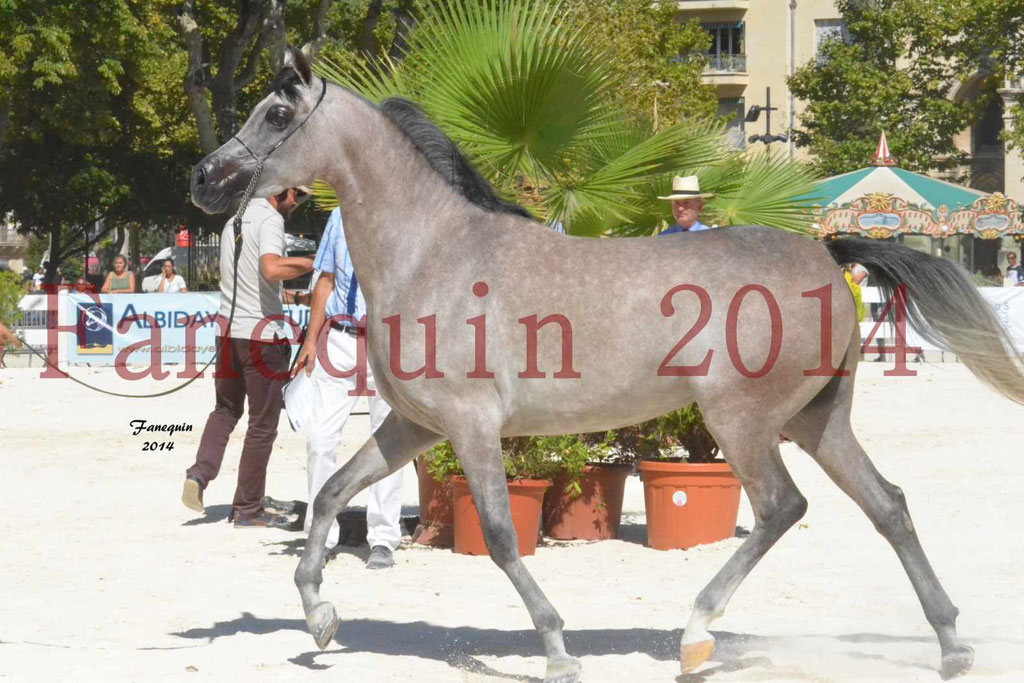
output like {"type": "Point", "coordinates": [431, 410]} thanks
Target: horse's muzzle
{"type": "Point", "coordinates": [214, 183]}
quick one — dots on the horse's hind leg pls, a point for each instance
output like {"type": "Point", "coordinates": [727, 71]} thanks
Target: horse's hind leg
{"type": "Point", "coordinates": [824, 431]}
{"type": "Point", "coordinates": [777, 505]}
{"type": "Point", "coordinates": [479, 451]}
{"type": "Point", "coordinates": [395, 443]}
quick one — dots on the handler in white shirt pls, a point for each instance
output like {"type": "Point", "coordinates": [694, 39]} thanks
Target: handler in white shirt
{"type": "Point", "coordinates": [336, 294]}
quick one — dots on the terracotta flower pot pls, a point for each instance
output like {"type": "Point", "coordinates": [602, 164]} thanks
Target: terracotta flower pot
{"type": "Point", "coordinates": [689, 504]}
{"type": "Point", "coordinates": [594, 514]}
{"type": "Point", "coordinates": [526, 498]}
{"type": "Point", "coordinates": [436, 527]}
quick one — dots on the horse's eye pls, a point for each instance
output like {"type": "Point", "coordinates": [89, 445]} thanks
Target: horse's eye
{"type": "Point", "coordinates": [279, 115]}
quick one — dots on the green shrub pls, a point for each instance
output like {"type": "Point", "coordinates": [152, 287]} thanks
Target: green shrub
{"type": "Point", "coordinates": [656, 439]}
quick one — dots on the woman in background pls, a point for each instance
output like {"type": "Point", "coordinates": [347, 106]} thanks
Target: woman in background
{"type": "Point", "coordinates": [120, 280]}
{"type": "Point", "coordinates": [170, 282]}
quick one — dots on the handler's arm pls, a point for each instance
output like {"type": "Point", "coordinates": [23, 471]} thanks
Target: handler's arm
{"type": "Point", "coordinates": [317, 316]}
{"type": "Point", "coordinates": [279, 268]}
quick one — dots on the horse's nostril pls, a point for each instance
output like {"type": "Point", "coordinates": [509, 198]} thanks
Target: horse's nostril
{"type": "Point", "coordinates": [200, 176]}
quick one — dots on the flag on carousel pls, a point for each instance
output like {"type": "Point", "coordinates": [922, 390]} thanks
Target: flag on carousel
{"type": "Point", "coordinates": [882, 156]}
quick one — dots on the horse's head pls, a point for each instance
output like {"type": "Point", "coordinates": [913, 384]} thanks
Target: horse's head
{"type": "Point", "coordinates": [276, 134]}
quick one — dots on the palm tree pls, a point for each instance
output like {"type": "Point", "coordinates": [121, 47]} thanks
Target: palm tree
{"type": "Point", "coordinates": [519, 88]}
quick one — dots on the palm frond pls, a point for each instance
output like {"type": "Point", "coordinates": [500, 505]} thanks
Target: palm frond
{"type": "Point", "coordinates": [765, 191]}
{"type": "Point", "coordinates": [324, 197]}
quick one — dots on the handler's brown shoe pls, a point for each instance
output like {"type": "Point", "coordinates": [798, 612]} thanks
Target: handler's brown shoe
{"type": "Point", "coordinates": [192, 494]}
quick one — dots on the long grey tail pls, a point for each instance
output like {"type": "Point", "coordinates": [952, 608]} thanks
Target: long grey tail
{"type": "Point", "coordinates": [943, 306]}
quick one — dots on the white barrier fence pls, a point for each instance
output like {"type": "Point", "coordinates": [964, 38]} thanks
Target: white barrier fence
{"type": "Point", "coordinates": [185, 326]}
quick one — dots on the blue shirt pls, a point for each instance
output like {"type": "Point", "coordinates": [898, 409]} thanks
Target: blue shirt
{"type": "Point", "coordinates": [332, 257]}
{"type": "Point", "coordinates": [696, 227]}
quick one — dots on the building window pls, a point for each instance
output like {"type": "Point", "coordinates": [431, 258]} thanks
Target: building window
{"type": "Point", "coordinates": [726, 51]}
{"type": "Point", "coordinates": [826, 30]}
{"type": "Point", "coordinates": [731, 109]}
{"type": "Point", "coordinates": [988, 129]}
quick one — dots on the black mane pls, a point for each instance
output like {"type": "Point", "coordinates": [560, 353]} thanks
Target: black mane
{"type": "Point", "coordinates": [445, 158]}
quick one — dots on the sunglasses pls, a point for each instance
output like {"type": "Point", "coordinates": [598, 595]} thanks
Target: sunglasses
{"type": "Point", "coordinates": [300, 196]}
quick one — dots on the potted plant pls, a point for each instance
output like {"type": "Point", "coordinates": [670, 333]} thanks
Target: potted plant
{"type": "Point", "coordinates": [528, 470]}
{"type": "Point", "coordinates": [585, 499]}
{"type": "Point", "coordinates": [436, 526]}
{"type": "Point", "coordinates": [687, 502]}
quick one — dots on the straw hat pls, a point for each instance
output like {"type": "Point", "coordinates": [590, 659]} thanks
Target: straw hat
{"type": "Point", "coordinates": [686, 188]}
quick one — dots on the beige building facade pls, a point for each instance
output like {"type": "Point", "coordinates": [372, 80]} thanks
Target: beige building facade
{"type": "Point", "coordinates": [13, 247]}
{"type": "Point", "coordinates": [756, 44]}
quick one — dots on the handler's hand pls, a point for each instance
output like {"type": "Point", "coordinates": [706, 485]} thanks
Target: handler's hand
{"type": "Point", "coordinates": [306, 359]}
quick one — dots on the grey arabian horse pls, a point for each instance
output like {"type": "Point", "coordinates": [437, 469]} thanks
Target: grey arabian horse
{"type": "Point", "coordinates": [459, 287]}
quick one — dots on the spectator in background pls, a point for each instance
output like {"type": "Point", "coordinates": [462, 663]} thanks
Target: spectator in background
{"type": "Point", "coordinates": [120, 280]}
{"type": "Point", "coordinates": [1014, 270]}
{"type": "Point", "coordinates": [687, 203]}
{"type": "Point", "coordinates": [859, 274]}
{"type": "Point", "coordinates": [851, 282]}
{"type": "Point", "coordinates": [37, 280]}
{"type": "Point", "coordinates": [170, 282]}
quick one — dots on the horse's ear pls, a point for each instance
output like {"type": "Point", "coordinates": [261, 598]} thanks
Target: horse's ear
{"type": "Point", "coordinates": [295, 60]}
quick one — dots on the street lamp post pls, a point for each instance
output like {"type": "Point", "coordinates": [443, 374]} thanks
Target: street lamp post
{"type": "Point", "coordinates": [755, 111]}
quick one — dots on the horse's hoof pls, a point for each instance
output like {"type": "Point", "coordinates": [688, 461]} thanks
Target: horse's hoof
{"type": "Point", "coordinates": [956, 662]}
{"type": "Point", "coordinates": [323, 623]}
{"type": "Point", "coordinates": [563, 671]}
{"type": "Point", "coordinates": [692, 655]}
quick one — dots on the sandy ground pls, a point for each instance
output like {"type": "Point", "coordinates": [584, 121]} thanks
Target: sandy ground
{"type": "Point", "coordinates": [104, 575]}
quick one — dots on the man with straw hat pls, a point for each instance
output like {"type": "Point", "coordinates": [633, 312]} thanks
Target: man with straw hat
{"type": "Point", "coordinates": [687, 203]}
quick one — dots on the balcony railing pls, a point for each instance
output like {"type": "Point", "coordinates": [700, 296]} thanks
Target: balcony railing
{"type": "Point", "coordinates": [9, 237]}
{"type": "Point", "coordinates": [730, 64]}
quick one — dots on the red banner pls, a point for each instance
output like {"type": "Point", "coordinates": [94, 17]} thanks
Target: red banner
{"type": "Point", "coordinates": [182, 238]}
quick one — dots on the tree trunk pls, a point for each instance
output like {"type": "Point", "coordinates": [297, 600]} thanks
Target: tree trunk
{"type": "Point", "coordinates": [369, 43]}
{"type": "Point", "coordinates": [404, 22]}
{"type": "Point", "coordinates": [134, 249]}
{"type": "Point", "coordinates": [119, 237]}
{"type": "Point", "coordinates": [195, 79]}
{"type": "Point", "coordinates": [50, 267]}
{"type": "Point", "coordinates": [319, 33]}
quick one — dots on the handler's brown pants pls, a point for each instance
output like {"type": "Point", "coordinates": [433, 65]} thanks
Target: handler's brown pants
{"type": "Point", "coordinates": [256, 372]}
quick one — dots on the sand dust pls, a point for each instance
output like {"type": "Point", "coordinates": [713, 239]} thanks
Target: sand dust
{"type": "Point", "coordinates": [104, 575]}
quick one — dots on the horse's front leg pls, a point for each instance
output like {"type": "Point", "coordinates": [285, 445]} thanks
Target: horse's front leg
{"type": "Point", "coordinates": [478, 446]}
{"type": "Point", "coordinates": [395, 443]}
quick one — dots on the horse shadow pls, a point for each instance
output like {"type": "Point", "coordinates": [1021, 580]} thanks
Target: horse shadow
{"type": "Point", "coordinates": [461, 647]}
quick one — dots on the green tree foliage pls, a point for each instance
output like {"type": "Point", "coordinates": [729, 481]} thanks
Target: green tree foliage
{"type": "Point", "coordinates": [657, 62]}
{"type": "Point", "coordinates": [995, 43]}
{"type": "Point", "coordinates": [536, 103]}
{"type": "Point", "coordinates": [896, 74]}
{"type": "Point", "coordinates": [10, 294]}
{"type": "Point", "coordinates": [234, 48]}
{"type": "Point", "coordinates": [90, 129]}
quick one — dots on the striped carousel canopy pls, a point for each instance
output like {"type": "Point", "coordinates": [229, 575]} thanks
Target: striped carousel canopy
{"type": "Point", "coordinates": [883, 200]}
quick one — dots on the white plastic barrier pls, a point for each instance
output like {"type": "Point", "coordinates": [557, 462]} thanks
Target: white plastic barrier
{"type": "Point", "coordinates": [1006, 302]}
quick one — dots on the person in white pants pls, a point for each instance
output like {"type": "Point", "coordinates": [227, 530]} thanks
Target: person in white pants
{"type": "Point", "coordinates": [336, 301]}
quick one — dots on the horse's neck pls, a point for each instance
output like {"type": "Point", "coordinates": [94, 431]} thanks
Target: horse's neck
{"type": "Point", "coordinates": [396, 210]}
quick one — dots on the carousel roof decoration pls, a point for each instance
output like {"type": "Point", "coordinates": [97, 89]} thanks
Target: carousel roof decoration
{"type": "Point", "coordinates": [883, 200]}
{"type": "Point", "coordinates": [882, 156]}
